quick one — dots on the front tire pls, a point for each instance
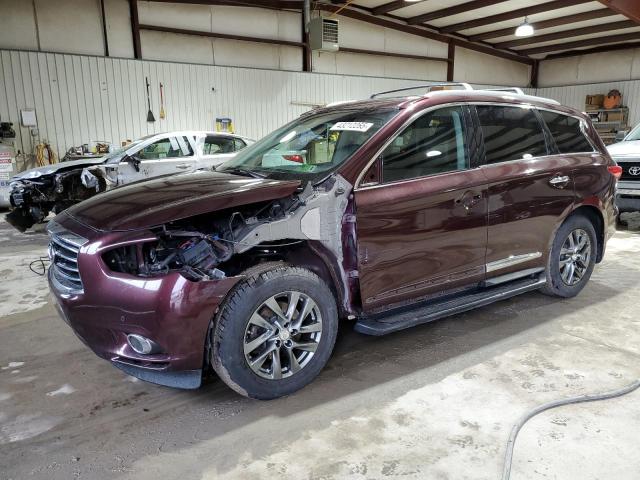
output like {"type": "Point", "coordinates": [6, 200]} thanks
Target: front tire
{"type": "Point", "coordinates": [572, 258]}
{"type": "Point", "coordinates": [275, 332]}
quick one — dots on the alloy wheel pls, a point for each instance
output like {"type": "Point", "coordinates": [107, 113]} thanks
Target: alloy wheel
{"type": "Point", "coordinates": [575, 256]}
{"type": "Point", "coordinates": [282, 335]}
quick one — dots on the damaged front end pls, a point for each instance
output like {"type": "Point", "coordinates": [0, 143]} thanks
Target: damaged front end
{"type": "Point", "coordinates": [303, 229]}
{"type": "Point", "coordinates": [32, 199]}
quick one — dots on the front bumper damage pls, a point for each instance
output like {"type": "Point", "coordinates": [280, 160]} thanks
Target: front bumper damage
{"type": "Point", "coordinates": [169, 309]}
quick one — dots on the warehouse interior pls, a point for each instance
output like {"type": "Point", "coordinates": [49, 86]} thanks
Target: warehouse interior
{"type": "Point", "coordinates": [83, 81]}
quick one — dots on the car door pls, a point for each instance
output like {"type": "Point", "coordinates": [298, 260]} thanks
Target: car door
{"type": "Point", "coordinates": [217, 149]}
{"type": "Point", "coordinates": [422, 229]}
{"type": "Point", "coordinates": [529, 187]}
{"type": "Point", "coordinates": [165, 156]}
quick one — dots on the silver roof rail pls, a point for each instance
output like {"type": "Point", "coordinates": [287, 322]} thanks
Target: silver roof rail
{"type": "Point", "coordinates": [506, 89]}
{"type": "Point", "coordinates": [465, 86]}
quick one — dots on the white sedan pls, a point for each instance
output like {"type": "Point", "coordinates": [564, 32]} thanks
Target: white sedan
{"type": "Point", "coordinates": [53, 188]}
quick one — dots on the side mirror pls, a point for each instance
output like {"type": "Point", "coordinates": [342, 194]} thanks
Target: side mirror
{"type": "Point", "coordinates": [620, 136]}
{"type": "Point", "coordinates": [133, 160]}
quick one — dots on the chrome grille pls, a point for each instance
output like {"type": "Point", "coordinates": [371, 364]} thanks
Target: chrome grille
{"type": "Point", "coordinates": [63, 255]}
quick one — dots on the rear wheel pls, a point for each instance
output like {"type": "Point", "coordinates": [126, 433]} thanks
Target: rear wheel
{"type": "Point", "coordinates": [275, 332]}
{"type": "Point", "coordinates": [572, 257]}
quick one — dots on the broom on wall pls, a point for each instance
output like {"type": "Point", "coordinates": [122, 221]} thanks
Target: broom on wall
{"type": "Point", "coordinates": [150, 117]}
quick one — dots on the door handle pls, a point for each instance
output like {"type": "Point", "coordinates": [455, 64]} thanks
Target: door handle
{"type": "Point", "coordinates": [559, 181]}
{"type": "Point", "coordinates": [183, 166]}
{"type": "Point", "coordinates": [469, 199]}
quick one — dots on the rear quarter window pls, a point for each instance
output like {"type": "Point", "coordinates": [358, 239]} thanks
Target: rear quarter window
{"type": "Point", "coordinates": [566, 132]}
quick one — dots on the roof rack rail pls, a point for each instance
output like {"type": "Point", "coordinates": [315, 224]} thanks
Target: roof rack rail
{"type": "Point", "coordinates": [429, 86]}
{"type": "Point", "coordinates": [506, 89]}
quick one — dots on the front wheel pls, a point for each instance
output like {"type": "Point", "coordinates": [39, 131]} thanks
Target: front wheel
{"type": "Point", "coordinates": [572, 257]}
{"type": "Point", "coordinates": [275, 332]}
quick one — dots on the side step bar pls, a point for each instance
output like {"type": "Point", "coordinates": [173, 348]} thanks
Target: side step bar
{"type": "Point", "coordinates": [392, 322]}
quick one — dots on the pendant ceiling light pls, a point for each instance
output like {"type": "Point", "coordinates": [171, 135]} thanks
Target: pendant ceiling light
{"type": "Point", "coordinates": [525, 29]}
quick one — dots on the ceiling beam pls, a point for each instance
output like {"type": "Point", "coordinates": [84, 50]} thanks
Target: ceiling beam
{"type": "Point", "coordinates": [553, 22]}
{"type": "Point", "coordinates": [243, 38]}
{"type": "Point", "coordinates": [520, 13]}
{"type": "Point", "coordinates": [454, 10]}
{"type": "Point", "coordinates": [587, 51]}
{"type": "Point", "coordinates": [625, 37]}
{"type": "Point", "coordinates": [628, 8]}
{"type": "Point", "coordinates": [422, 32]}
{"type": "Point", "coordinates": [391, 6]}
{"type": "Point", "coordinates": [393, 54]}
{"type": "Point", "coordinates": [277, 4]}
{"type": "Point", "coordinates": [575, 32]}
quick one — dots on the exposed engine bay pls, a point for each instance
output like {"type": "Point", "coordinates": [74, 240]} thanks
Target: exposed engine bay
{"type": "Point", "coordinates": [226, 242]}
{"type": "Point", "coordinates": [33, 199]}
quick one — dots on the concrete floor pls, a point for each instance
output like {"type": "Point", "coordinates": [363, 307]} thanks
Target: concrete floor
{"type": "Point", "coordinates": [437, 401]}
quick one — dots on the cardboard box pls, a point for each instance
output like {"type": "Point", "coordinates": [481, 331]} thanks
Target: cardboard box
{"type": "Point", "coordinates": [596, 100]}
{"type": "Point", "coordinates": [614, 116]}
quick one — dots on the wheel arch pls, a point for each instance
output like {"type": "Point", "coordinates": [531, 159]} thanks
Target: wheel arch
{"type": "Point", "coordinates": [311, 255]}
{"type": "Point", "coordinates": [596, 218]}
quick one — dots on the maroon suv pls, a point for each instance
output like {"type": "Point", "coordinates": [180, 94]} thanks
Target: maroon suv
{"type": "Point", "coordinates": [390, 212]}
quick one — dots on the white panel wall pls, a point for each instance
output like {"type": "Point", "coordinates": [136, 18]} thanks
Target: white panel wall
{"type": "Point", "coordinates": [585, 69]}
{"type": "Point", "coordinates": [75, 26]}
{"type": "Point", "coordinates": [475, 67]}
{"type": "Point", "coordinates": [82, 98]}
{"type": "Point", "coordinates": [362, 35]}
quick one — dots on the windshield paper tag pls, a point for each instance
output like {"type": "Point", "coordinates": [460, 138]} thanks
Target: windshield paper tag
{"type": "Point", "coordinates": [352, 126]}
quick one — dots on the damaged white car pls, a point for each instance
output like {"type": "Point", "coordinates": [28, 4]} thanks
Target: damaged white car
{"type": "Point", "coordinates": [53, 188]}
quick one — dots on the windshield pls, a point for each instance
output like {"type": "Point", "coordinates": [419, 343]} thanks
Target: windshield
{"type": "Point", "coordinates": [116, 154]}
{"type": "Point", "coordinates": [634, 134]}
{"type": "Point", "coordinates": [310, 146]}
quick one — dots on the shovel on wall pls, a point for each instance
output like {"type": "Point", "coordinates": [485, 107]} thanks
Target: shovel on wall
{"type": "Point", "coordinates": [162, 114]}
{"type": "Point", "coordinates": [150, 117]}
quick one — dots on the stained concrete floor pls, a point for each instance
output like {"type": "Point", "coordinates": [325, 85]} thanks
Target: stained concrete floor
{"type": "Point", "coordinates": [434, 402]}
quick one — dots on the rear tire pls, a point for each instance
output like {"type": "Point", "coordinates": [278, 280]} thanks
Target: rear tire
{"type": "Point", "coordinates": [572, 257]}
{"type": "Point", "coordinates": [263, 353]}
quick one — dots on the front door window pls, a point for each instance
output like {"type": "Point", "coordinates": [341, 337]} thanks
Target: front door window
{"type": "Point", "coordinates": [434, 143]}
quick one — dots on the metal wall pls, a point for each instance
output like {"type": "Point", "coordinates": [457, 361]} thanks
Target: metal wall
{"type": "Point", "coordinates": [82, 98]}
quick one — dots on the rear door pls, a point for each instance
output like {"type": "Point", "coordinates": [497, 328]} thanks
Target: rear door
{"type": "Point", "coordinates": [422, 228]}
{"type": "Point", "coordinates": [530, 187]}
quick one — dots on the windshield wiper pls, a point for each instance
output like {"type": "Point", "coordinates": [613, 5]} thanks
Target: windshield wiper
{"type": "Point", "coordinates": [244, 171]}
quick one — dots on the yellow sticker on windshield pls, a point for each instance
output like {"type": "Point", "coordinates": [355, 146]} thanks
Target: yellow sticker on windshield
{"type": "Point", "coordinates": [352, 126]}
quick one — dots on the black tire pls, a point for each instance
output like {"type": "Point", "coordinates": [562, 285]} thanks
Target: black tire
{"type": "Point", "coordinates": [555, 285]}
{"type": "Point", "coordinates": [229, 329]}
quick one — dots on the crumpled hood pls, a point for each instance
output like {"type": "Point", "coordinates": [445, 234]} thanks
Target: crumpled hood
{"type": "Point", "coordinates": [629, 148]}
{"type": "Point", "coordinates": [154, 202]}
{"type": "Point", "coordinates": [57, 167]}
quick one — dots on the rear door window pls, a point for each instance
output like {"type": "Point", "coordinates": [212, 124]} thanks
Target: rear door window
{"type": "Point", "coordinates": [566, 132]}
{"type": "Point", "coordinates": [217, 145]}
{"type": "Point", "coordinates": [510, 133]}
{"type": "Point", "coordinates": [171, 147]}
{"type": "Point", "coordinates": [239, 144]}
{"type": "Point", "coordinates": [434, 143]}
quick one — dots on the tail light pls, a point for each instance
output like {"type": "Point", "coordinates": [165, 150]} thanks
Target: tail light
{"type": "Point", "coordinates": [294, 158]}
{"type": "Point", "coordinates": [615, 170]}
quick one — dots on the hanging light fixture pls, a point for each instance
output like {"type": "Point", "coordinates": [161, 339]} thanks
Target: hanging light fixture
{"type": "Point", "coordinates": [525, 29]}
